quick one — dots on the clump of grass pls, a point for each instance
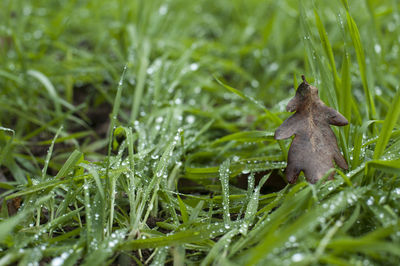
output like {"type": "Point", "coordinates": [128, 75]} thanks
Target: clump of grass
{"type": "Point", "coordinates": [106, 164]}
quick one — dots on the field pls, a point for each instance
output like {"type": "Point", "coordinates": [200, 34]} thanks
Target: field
{"type": "Point", "coordinates": [142, 132]}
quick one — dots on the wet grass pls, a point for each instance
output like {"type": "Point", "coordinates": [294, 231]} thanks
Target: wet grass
{"type": "Point", "coordinates": [141, 132]}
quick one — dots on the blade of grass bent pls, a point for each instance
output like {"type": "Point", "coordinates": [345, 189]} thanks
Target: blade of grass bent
{"type": "Point", "coordinates": [72, 160]}
{"type": "Point", "coordinates": [49, 87]}
{"type": "Point", "coordinates": [271, 115]}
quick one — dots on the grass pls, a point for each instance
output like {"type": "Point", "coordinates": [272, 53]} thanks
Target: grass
{"type": "Point", "coordinates": [141, 132]}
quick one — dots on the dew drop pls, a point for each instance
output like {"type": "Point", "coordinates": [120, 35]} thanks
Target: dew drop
{"type": "Point", "coordinates": [178, 101]}
{"type": "Point", "coordinates": [297, 257]}
{"type": "Point", "coordinates": [190, 119]}
{"type": "Point", "coordinates": [194, 66]}
{"type": "Point", "coordinates": [377, 48]}
{"type": "Point", "coordinates": [163, 10]}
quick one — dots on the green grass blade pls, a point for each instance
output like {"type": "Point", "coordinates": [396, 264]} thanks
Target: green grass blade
{"type": "Point", "coordinates": [49, 87]}
{"type": "Point", "coordinates": [49, 153]}
{"type": "Point", "coordinates": [224, 173]}
{"type": "Point", "coordinates": [388, 166]}
{"type": "Point", "coordinates": [329, 52]}
{"type": "Point", "coordinates": [144, 62]}
{"type": "Point", "coordinates": [9, 224]}
{"type": "Point", "coordinates": [252, 207]}
{"type": "Point", "coordinates": [6, 148]}
{"type": "Point", "coordinates": [216, 251]}
{"type": "Point", "coordinates": [183, 209]}
{"type": "Point", "coordinates": [355, 37]}
{"type": "Point", "coordinates": [188, 236]}
{"type": "Point", "coordinates": [116, 107]}
{"type": "Point", "coordinates": [270, 115]}
{"type": "Point", "coordinates": [250, 136]}
{"type": "Point", "coordinates": [75, 158]}
{"type": "Point", "coordinates": [347, 99]}
{"type": "Point", "coordinates": [390, 121]}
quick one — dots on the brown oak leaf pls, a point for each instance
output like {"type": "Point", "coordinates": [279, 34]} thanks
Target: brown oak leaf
{"type": "Point", "coordinates": [314, 147]}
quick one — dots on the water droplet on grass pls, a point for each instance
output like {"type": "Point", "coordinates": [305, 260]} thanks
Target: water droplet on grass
{"type": "Point", "coordinates": [255, 83]}
{"type": "Point", "coordinates": [370, 201]}
{"type": "Point", "coordinates": [194, 66]}
{"type": "Point", "coordinates": [159, 119]}
{"type": "Point", "coordinates": [58, 261]}
{"type": "Point", "coordinates": [377, 48]}
{"type": "Point", "coordinates": [190, 119]}
{"type": "Point", "coordinates": [163, 10]}
{"type": "Point", "coordinates": [245, 171]}
{"type": "Point", "coordinates": [297, 257]}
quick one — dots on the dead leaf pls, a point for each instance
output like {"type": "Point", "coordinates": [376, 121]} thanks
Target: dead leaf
{"type": "Point", "coordinates": [314, 147]}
